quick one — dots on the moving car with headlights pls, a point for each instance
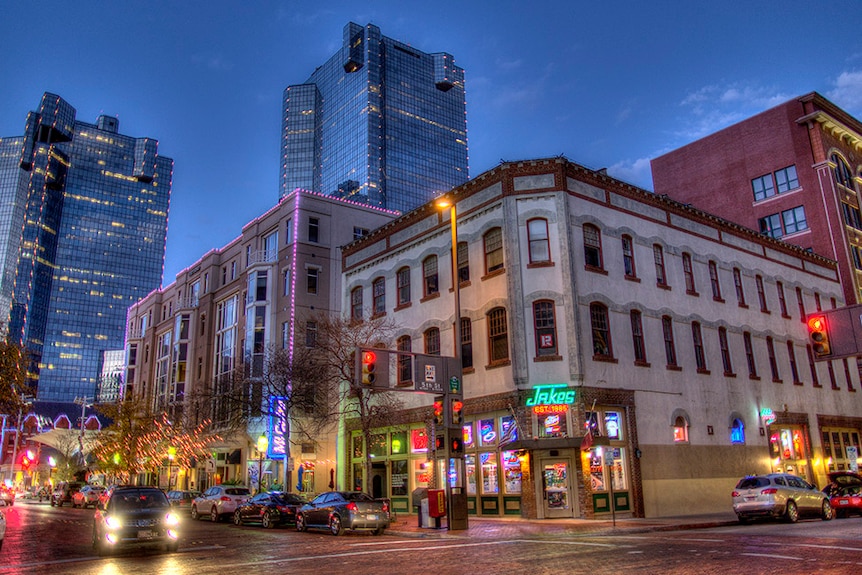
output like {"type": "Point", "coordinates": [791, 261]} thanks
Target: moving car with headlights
{"type": "Point", "coordinates": [340, 510]}
{"type": "Point", "coordinates": [135, 515]}
{"type": "Point", "coordinates": [87, 496]}
{"type": "Point", "coordinates": [269, 509]}
{"type": "Point", "coordinates": [845, 492]}
{"type": "Point", "coordinates": [219, 501]}
{"type": "Point", "coordinates": [779, 495]}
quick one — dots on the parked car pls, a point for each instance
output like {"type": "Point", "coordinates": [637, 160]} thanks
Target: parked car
{"type": "Point", "coordinates": [64, 491]}
{"type": "Point", "coordinates": [2, 522]}
{"type": "Point", "coordinates": [779, 495]}
{"type": "Point", "coordinates": [88, 495]}
{"type": "Point", "coordinates": [7, 495]}
{"type": "Point", "coordinates": [219, 501]}
{"type": "Point", "coordinates": [845, 492]}
{"type": "Point", "coordinates": [135, 515]}
{"type": "Point", "coordinates": [183, 499]}
{"type": "Point", "coordinates": [340, 510]}
{"type": "Point", "coordinates": [269, 509]}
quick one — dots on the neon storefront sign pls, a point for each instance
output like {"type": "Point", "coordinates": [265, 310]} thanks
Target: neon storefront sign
{"type": "Point", "coordinates": [551, 398]}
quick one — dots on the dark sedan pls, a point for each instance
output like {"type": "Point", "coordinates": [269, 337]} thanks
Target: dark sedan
{"type": "Point", "coordinates": [269, 509]}
{"type": "Point", "coordinates": [340, 510]}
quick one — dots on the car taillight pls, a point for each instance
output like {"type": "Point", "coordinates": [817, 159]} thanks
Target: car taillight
{"type": "Point", "coordinates": [769, 491]}
{"type": "Point", "coordinates": [386, 507]}
{"type": "Point", "coordinates": [735, 494]}
{"type": "Point", "coordinates": [352, 506]}
{"type": "Point", "coordinates": [224, 498]}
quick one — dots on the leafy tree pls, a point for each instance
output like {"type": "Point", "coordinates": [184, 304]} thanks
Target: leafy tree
{"type": "Point", "coordinates": [14, 361]}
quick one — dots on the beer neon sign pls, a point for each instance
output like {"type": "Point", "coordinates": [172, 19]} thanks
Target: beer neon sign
{"type": "Point", "coordinates": [551, 398]}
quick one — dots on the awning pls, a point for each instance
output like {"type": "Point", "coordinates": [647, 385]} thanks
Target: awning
{"type": "Point", "coordinates": [551, 443]}
{"type": "Point", "coordinates": [68, 440]}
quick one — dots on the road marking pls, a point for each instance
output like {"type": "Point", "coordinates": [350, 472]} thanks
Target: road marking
{"type": "Point", "coordinates": [772, 556]}
{"type": "Point", "coordinates": [839, 547]}
{"type": "Point", "coordinates": [18, 567]}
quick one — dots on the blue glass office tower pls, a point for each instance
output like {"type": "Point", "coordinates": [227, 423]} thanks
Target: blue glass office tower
{"type": "Point", "coordinates": [83, 225]}
{"type": "Point", "coordinates": [380, 122]}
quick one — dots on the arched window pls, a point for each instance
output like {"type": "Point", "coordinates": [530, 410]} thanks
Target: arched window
{"type": "Point", "coordinates": [493, 242]}
{"type": "Point", "coordinates": [356, 304]}
{"type": "Point", "coordinates": [841, 171]}
{"type": "Point", "coordinates": [544, 324]}
{"type": "Point", "coordinates": [431, 279]}
{"type": "Point", "coordinates": [540, 247]}
{"type": "Point", "coordinates": [378, 289]}
{"type": "Point", "coordinates": [592, 247]}
{"type": "Point", "coordinates": [601, 328]}
{"type": "Point", "coordinates": [680, 422]}
{"type": "Point", "coordinates": [432, 341]}
{"type": "Point", "coordinates": [737, 431]}
{"type": "Point", "coordinates": [498, 336]}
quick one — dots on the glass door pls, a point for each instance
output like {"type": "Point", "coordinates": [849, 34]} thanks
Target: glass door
{"type": "Point", "coordinates": [556, 488]}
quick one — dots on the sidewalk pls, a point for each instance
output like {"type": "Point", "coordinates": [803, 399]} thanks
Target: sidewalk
{"type": "Point", "coordinates": [516, 527]}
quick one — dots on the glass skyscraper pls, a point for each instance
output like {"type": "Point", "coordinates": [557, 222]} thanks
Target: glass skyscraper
{"type": "Point", "coordinates": [380, 122]}
{"type": "Point", "coordinates": [83, 226]}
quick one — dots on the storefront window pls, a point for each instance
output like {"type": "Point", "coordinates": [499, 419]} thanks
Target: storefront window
{"type": "Point", "coordinates": [399, 477]}
{"type": "Point", "coordinates": [553, 425]}
{"type": "Point", "coordinates": [512, 472]}
{"type": "Point", "coordinates": [398, 442]}
{"type": "Point", "coordinates": [487, 432]}
{"type": "Point", "coordinates": [469, 438]}
{"type": "Point", "coordinates": [508, 430]}
{"type": "Point", "coordinates": [597, 471]}
{"type": "Point", "coordinates": [613, 429]}
{"type": "Point", "coordinates": [357, 476]}
{"type": "Point", "coordinates": [378, 445]}
{"type": "Point", "coordinates": [489, 473]}
{"type": "Point", "coordinates": [421, 472]}
{"type": "Point", "coordinates": [418, 441]}
{"type": "Point", "coordinates": [470, 470]}
{"type": "Point", "coordinates": [614, 458]}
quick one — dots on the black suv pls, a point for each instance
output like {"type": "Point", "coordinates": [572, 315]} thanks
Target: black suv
{"type": "Point", "coordinates": [135, 515]}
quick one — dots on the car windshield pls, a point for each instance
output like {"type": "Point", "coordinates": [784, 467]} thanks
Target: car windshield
{"type": "Point", "coordinates": [136, 500]}
{"type": "Point", "coordinates": [752, 482]}
{"type": "Point", "coordinates": [237, 491]}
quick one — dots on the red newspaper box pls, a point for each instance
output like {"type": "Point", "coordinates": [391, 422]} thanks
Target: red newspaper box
{"type": "Point", "coordinates": [436, 503]}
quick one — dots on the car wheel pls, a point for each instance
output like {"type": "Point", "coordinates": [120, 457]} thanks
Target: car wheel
{"type": "Point", "coordinates": [172, 546]}
{"type": "Point", "coordinates": [335, 526]}
{"type": "Point", "coordinates": [237, 518]}
{"type": "Point", "coordinates": [791, 513]}
{"type": "Point", "coordinates": [826, 511]}
{"type": "Point", "coordinates": [300, 523]}
{"type": "Point", "coordinates": [214, 516]}
{"type": "Point", "coordinates": [742, 519]}
{"type": "Point", "coordinates": [268, 520]}
{"type": "Point", "coordinates": [378, 531]}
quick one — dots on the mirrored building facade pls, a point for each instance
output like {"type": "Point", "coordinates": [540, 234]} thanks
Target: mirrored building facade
{"type": "Point", "coordinates": [83, 226]}
{"type": "Point", "coordinates": [380, 122]}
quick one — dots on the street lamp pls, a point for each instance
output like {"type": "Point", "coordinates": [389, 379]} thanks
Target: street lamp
{"type": "Point", "coordinates": [443, 203]}
{"type": "Point", "coordinates": [262, 444]}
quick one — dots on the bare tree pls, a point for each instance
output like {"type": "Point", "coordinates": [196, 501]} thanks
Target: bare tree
{"type": "Point", "coordinates": [14, 361]}
{"type": "Point", "coordinates": [118, 450]}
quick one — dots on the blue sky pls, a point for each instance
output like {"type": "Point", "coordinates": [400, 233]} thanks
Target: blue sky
{"type": "Point", "coordinates": [607, 86]}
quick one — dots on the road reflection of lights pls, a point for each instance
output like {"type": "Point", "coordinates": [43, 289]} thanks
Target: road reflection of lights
{"type": "Point", "coordinates": [168, 566]}
{"type": "Point", "coordinates": [110, 569]}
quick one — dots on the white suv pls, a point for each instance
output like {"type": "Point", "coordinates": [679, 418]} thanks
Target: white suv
{"type": "Point", "coordinates": [219, 501]}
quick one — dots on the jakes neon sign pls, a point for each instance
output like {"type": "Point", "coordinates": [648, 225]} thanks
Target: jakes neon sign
{"type": "Point", "coordinates": [551, 394]}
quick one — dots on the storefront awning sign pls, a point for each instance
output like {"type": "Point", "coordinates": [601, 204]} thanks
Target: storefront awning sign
{"type": "Point", "coordinates": [551, 398]}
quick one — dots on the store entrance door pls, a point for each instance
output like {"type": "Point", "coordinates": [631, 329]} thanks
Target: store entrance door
{"type": "Point", "coordinates": [557, 495]}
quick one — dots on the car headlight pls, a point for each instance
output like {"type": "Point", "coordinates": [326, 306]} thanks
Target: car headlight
{"type": "Point", "coordinates": [113, 522]}
{"type": "Point", "coordinates": [172, 520]}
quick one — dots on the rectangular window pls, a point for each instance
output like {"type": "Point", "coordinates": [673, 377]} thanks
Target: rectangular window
{"type": "Point", "coordinates": [313, 230]}
{"type": "Point", "coordinates": [794, 220]}
{"type": "Point", "coordinates": [359, 232]}
{"type": "Point", "coordinates": [638, 337]}
{"type": "Point", "coordinates": [466, 343]}
{"type": "Point", "coordinates": [429, 273]}
{"type": "Point", "coordinates": [786, 179]}
{"type": "Point", "coordinates": [592, 247]}
{"type": "Point", "coordinates": [713, 280]}
{"type": "Point", "coordinates": [688, 272]}
{"type": "Point", "coordinates": [669, 347]}
{"type": "Point", "coordinates": [791, 355]}
{"type": "Point", "coordinates": [310, 333]}
{"type": "Point", "coordinates": [493, 241]}
{"type": "Point", "coordinates": [782, 303]}
{"type": "Point", "coordinates": [725, 351]}
{"type": "Point", "coordinates": [762, 187]}
{"type": "Point", "coordinates": [379, 296]}
{"type": "Point", "coordinates": [463, 262]}
{"type": "Point", "coordinates": [403, 286]}
{"type": "Point", "coordinates": [771, 226]}
{"type": "Point", "coordinates": [629, 257]}
{"type": "Point", "coordinates": [749, 355]}
{"type": "Point", "coordinates": [697, 341]}
{"type": "Point", "coordinates": [600, 323]}
{"type": "Point", "coordinates": [737, 283]}
{"type": "Point", "coordinates": [761, 295]}
{"type": "Point", "coordinates": [801, 304]}
{"type": "Point", "coordinates": [498, 336]}
{"type": "Point", "coordinates": [773, 364]}
{"type": "Point", "coordinates": [658, 255]}
{"type": "Point", "coordinates": [545, 328]}
{"type": "Point", "coordinates": [540, 247]}
{"type": "Point", "coordinates": [356, 304]}
{"type": "Point", "coordinates": [312, 280]}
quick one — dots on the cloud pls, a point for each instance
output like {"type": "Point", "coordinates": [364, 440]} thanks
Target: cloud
{"type": "Point", "coordinates": [713, 107]}
{"type": "Point", "coordinates": [847, 92]}
{"type": "Point", "coordinates": [212, 61]}
{"type": "Point", "coordinates": [635, 172]}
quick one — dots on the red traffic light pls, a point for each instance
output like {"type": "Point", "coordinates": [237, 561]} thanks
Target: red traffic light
{"type": "Point", "coordinates": [438, 411]}
{"type": "Point", "coordinates": [457, 446]}
{"type": "Point", "coordinates": [457, 408]}
{"type": "Point", "coordinates": [818, 333]}
{"type": "Point", "coordinates": [369, 357]}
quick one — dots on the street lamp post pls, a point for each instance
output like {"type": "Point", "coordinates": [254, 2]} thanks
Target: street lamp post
{"type": "Point", "coordinates": [458, 499]}
{"type": "Point", "coordinates": [262, 444]}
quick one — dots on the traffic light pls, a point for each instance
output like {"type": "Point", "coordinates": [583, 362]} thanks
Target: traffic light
{"type": "Point", "coordinates": [818, 333]}
{"type": "Point", "coordinates": [439, 443]}
{"type": "Point", "coordinates": [369, 367]}
{"type": "Point", "coordinates": [457, 411]}
{"type": "Point", "coordinates": [457, 444]}
{"type": "Point", "coordinates": [25, 462]}
{"type": "Point", "coordinates": [439, 418]}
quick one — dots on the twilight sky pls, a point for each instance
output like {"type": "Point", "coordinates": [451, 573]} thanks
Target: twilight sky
{"type": "Point", "coordinates": [606, 86]}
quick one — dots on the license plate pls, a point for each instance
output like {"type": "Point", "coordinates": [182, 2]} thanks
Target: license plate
{"type": "Point", "coordinates": [371, 517]}
{"type": "Point", "coordinates": [843, 502]}
{"type": "Point", "coordinates": [145, 534]}
{"type": "Point", "coordinates": [750, 497]}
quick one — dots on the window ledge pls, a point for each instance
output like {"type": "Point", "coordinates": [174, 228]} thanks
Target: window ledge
{"type": "Point", "coordinates": [632, 278]}
{"type": "Point", "coordinates": [462, 285]}
{"type": "Point", "coordinates": [718, 299]}
{"type": "Point", "coordinates": [786, 316]}
{"type": "Point", "coordinates": [660, 285]}
{"type": "Point", "coordinates": [754, 377]}
{"type": "Point", "coordinates": [729, 374]}
{"type": "Point", "coordinates": [766, 311]}
{"type": "Point", "coordinates": [797, 382]}
{"type": "Point", "coordinates": [429, 297]}
{"type": "Point", "coordinates": [743, 305]}
{"type": "Point", "coordinates": [642, 363]}
{"type": "Point", "coordinates": [548, 264]}
{"type": "Point", "coordinates": [605, 358]}
{"type": "Point", "coordinates": [468, 370]}
{"type": "Point", "coordinates": [403, 306]}
{"type": "Point", "coordinates": [495, 273]}
{"type": "Point", "coordinates": [539, 358]}
{"type": "Point", "coordinates": [703, 371]}
{"type": "Point", "coordinates": [499, 363]}
{"type": "Point", "coordinates": [670, 367]}
{"type": "Point", "coordinates": [595, 269]}
{"type": "Point", "coordinates": [777, 380]}
{"type": "Point", "coordinates": [692, 292]}
{"type": "Point", "coordinates": [378, 315]}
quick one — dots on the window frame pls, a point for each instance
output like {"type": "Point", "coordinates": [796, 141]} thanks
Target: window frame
{"type": "Point", "coordinates": [498, 336]}
{"type": "Point", "coordinates": [492, 244]}
{"type": "Point", "coordinates": [660, 268]}
{"type": "Point", "coordinates": [628, 250]}
{"type": "Point", "coordinates": [378, 296]}
{"type": "Point", "coordinates": [592, 238]}
{"type": "Point", "coordinates": [669, 343]}
{"type": "Point", "coordinates": [638, 343]}
{"type": "Point", "coordinates": [402, 279]}
{"type": "Point", "coordinates": [535, 241]}
{"type": "Point", "coordinates": [697, 344]}
{"type": "Point", "coordinates": [356, 303]}
{"type": "Point", "coordinates": [600, 328]}
{"type": "Point", "coordinates": [726, 359]}
{"type": "Point", "coordinates": [430, 278]}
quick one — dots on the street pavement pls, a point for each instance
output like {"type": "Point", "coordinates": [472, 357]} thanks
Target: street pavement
{"type": "Point", "coordinates": [516, 527]}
